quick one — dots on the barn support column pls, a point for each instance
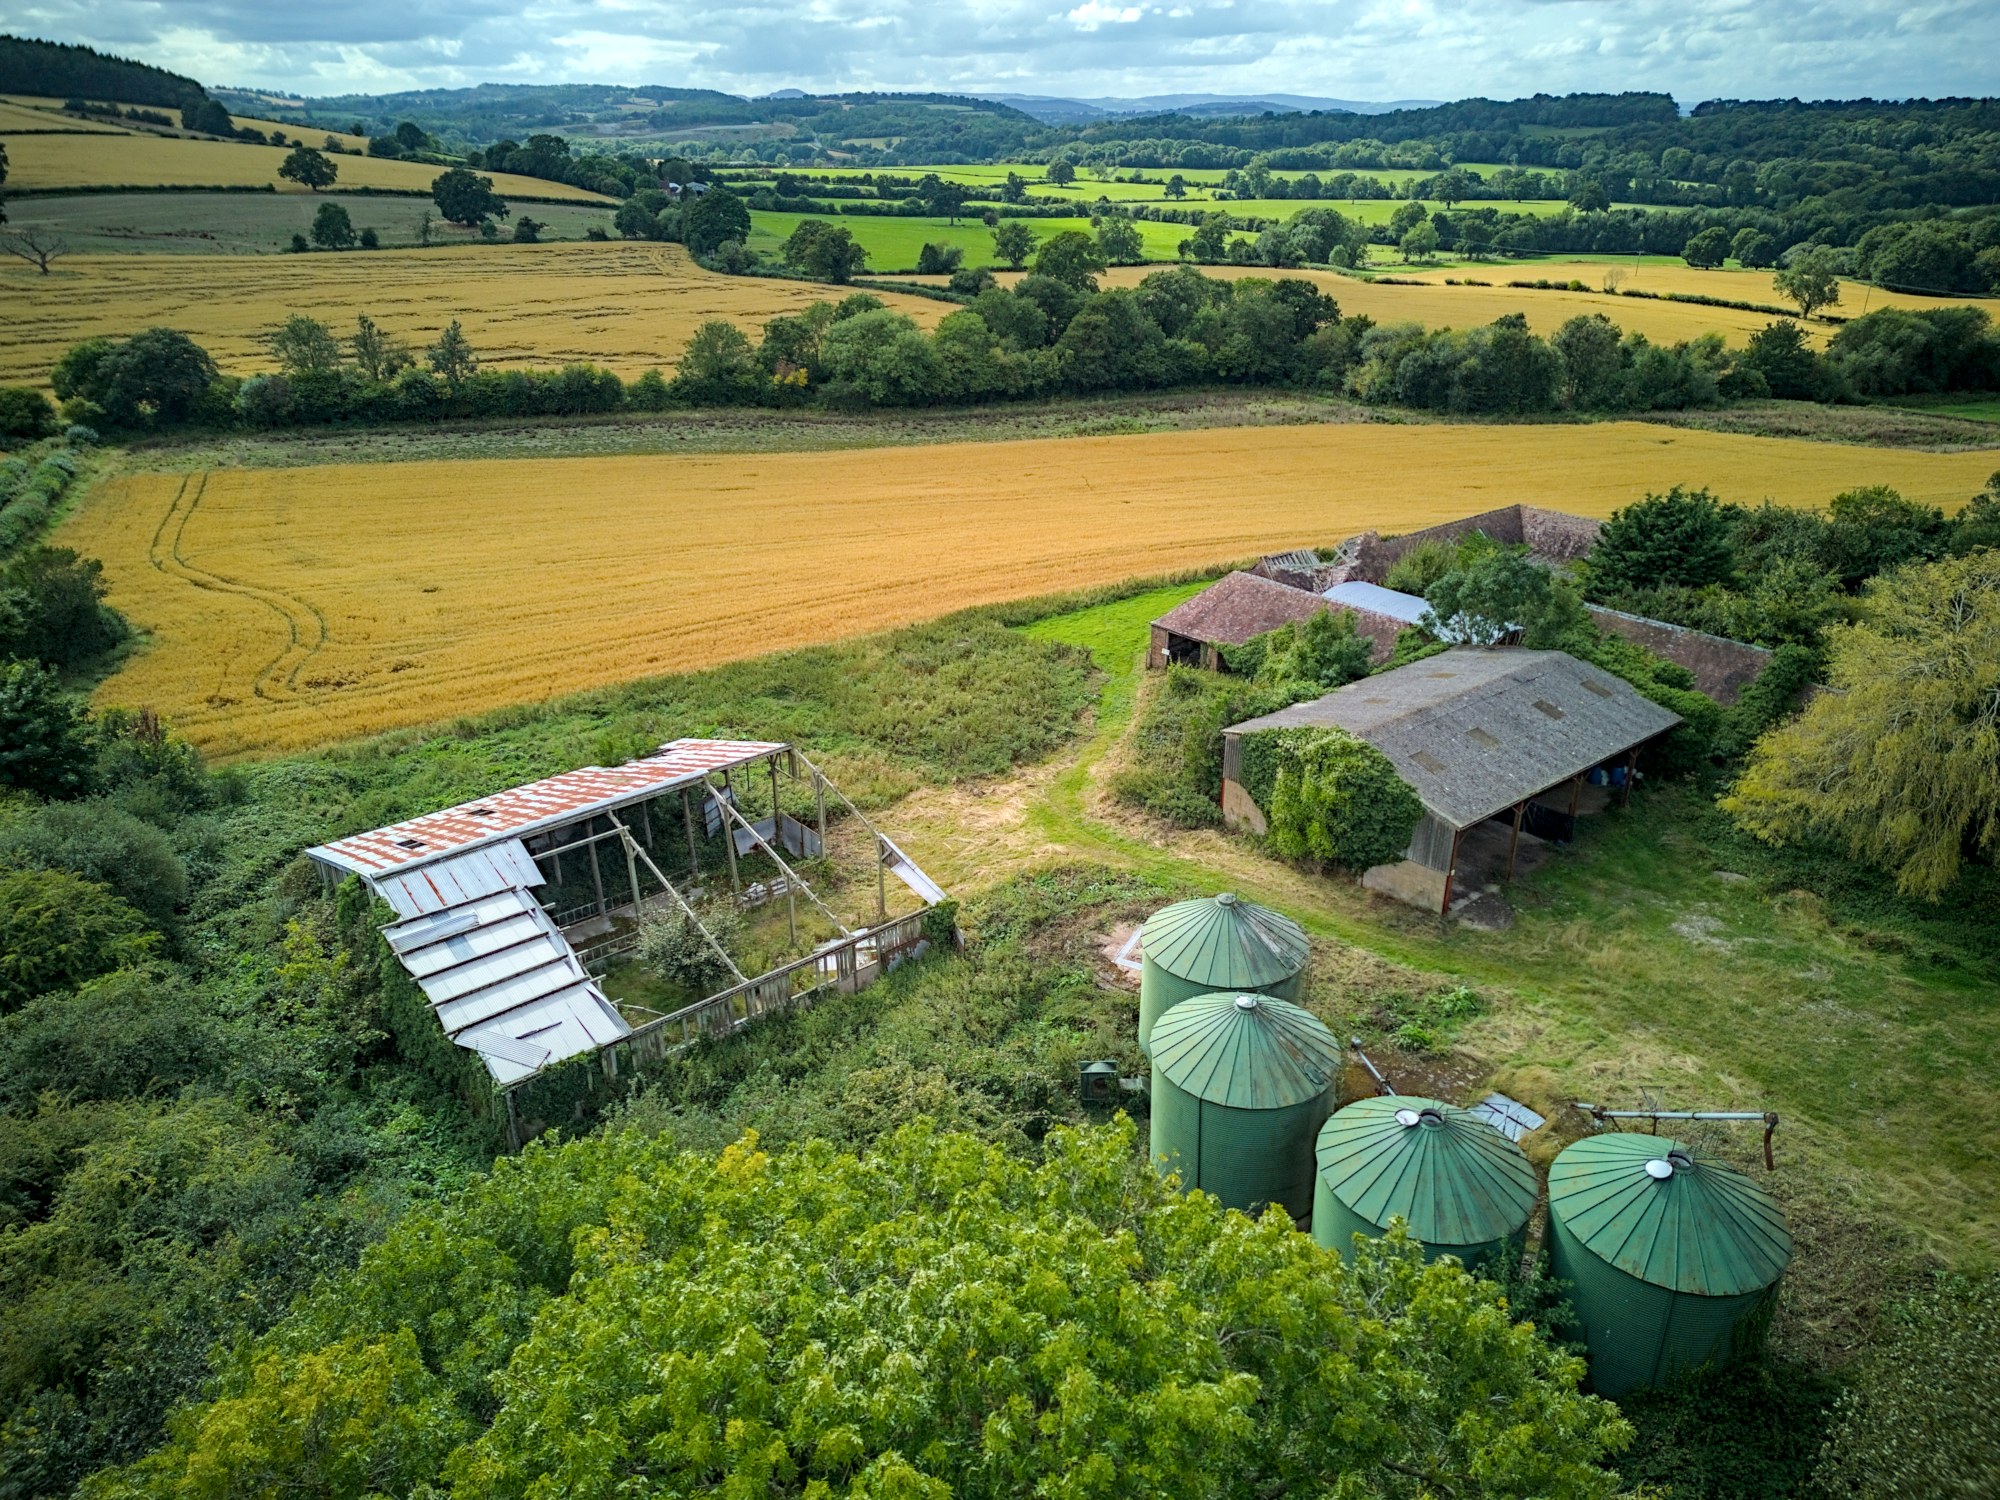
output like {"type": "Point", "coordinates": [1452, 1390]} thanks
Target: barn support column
{"type": "Point", "coordinates": [596, 872]}
{"type": "Point", "coordinates": [631, 867]}
{"type": "Point", "coordinates": [729, 838]}
{"type": "Point", "coordinates": [1631, 770]}
{"type": "Point", "coordinates": [687, 816]}
{"type": "Point", "coordinates": [1575, 792]}
{"type": "Point", "coordinates": [1450, 870]}
{"type": "Point", "coordinates": [819, 798]}
{"type": "Point", "coordinates": [1514, 844]}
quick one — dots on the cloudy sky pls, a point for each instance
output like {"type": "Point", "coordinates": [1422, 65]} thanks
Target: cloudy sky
{"type": "Point", "coordinates": [1351, 49]}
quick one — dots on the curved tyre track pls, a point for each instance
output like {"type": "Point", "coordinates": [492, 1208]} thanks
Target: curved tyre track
{"type": "Point", "coordinates": [305, 626]}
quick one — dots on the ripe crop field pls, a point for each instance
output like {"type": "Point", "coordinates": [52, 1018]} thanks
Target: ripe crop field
{"type": "Point", "coordinates": [627, 306]}
{"type": "Point", "coordinates": [15, 118]}
{"type": "Point", "coordinates": [894, 243]}
{"type": "Point", "coordinates": [290, 607]}
{"type": "Point", "coordinates": [248, 223]}
{"type": "Point", "coordinates": [59, 161]}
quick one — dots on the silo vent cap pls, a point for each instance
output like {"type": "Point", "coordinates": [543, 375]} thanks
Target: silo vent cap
{"type": "Point", "coordinates": [1412, 1117]}
{"type": "Point", "coordinates": [1659, 1169]}
{"type": "Point", "coordinates": [1227, 898]}
{"type": "Point", "coordinates": [1246, 1002]}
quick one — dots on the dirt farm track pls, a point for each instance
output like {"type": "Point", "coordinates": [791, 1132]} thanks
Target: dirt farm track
{"type": "Point", "coordinates": [291, 607]}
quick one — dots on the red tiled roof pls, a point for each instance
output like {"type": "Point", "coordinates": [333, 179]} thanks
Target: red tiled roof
{"type": "Point", "coordinates": [1241, 605]}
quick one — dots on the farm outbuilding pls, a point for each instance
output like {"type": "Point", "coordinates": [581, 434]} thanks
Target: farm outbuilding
{"type": "Point", "coordinates": [1481, 735]}
{"type": "Point", "coordinates": [1227, 613]}
{"type": "Point", "coordinates": [511, 974]}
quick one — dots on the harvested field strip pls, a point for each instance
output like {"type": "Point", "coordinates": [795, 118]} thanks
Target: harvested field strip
{"type": "Point", "coordinates": [628, 306]}
{"type": "Point", "coordinates": [446, 588]}
{"type": "Point", "coordinates": [139, 160]}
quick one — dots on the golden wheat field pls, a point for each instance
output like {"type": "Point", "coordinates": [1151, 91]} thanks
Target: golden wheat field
{"type": "Point", "coordinates": [291, 607]}
{"type": "Point", "coordinates": [137, 160]}
{"type": "Point", "coordinates": [312, 135]}
{"type": "Point", "coordinates": [19, 117]}
{"type": "Point", "coordinates": [627, 306]}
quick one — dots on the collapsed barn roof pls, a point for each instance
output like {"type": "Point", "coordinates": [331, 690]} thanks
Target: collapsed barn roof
{"type": "Point", "coordinates": [1476, 731]}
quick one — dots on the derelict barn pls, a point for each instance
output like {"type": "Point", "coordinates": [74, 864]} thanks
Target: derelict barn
{"type": "Point", "coordinates": [1481, 735]}
{"type": "Point", "coordinates": [1243, 605]}
{"type": "Point", "coordinates": [511, 975]}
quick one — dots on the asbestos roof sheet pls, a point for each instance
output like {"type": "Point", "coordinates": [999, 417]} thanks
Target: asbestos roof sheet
{"type": "Point", "coordinates": [1239, 606]}
{"type": "Point", "coordinates": [1451, 1176]}
{"type": "Point", "coordinates": [503, 982]}
{"type": "Point", "coordinates": [1245, 1051]}
{"type": "Point", "coordinates": [1669, 1215]}
{"type": "Point", "coordinates": [550, 803]}
{"type": "Point", "coordinates": [504, 866]}
{"type": "Point", "coordinates": [1376, 600]}
{"type": "Point", "coordinates": [1475, 731]}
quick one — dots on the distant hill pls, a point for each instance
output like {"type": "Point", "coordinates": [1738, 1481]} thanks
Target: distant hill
{"type": "Point", "coordinates": [63, 72]}
{"type": "Point", "coordinates": [1058, 110]}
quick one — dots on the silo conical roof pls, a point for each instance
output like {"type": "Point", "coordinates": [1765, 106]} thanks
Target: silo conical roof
{"type": "Point", "coordinates": [1225, 943]}
{"type": "Point", "coordinates": [1453, 1177]}
{"type": "Point", "coordinates": [1245, 1051]}
{"type": "Point", "coordinates": [1658, 1211]}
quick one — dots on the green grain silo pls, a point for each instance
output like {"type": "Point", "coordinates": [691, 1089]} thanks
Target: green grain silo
{"type": "Point", "coordinates": [1672, 1257]}
{"type": "Point", "coordinates": [1462, 1186]}
{"type": "Point", "coordinates": [1241, 1085]}
{"type": "Point", "coordinates": [1217, 943]}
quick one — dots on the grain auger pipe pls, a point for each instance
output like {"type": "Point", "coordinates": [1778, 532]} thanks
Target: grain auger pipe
{"type": "Point", "coordinates": [1600, 1114]}
{"type": "Point", "coordinates": [1381, 1083]}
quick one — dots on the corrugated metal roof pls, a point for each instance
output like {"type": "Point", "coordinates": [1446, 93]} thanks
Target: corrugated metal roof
{"type": "Point", "coordinates": [1226, 943]}
{"type": "Point", "coordinates": [1454, 1178]}
{"type": "Point", "coordinates": [1475, 731]}
{"type": "Point", "coordinates": [1372, 597]}
{"type": "Point", "coordinates": [504, 866]}
{"type": "Point", "coordinates": [1239, 606]}
{"type": "Point", "coordinates": [551, 802]}
{"type": "Point", "coordinates": [1700, 1227]}
{"type": "Point", "coordinates": [1245, 1051]}
{"type": "Point", "coordinates": [503, 981]}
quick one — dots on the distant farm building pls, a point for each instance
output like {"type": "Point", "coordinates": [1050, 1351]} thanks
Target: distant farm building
{"type": "Point", "coordinates": [1482, 735]}
{"type": "Point", "coordinates": [1225, 614]}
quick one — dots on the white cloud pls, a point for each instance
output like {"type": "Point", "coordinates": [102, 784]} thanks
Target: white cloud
{"type": "Point", "coordinates": [1353, 49]}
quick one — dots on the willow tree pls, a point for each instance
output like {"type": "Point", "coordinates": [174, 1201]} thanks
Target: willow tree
{"type": "Point", "coordinates": [1901, 766]}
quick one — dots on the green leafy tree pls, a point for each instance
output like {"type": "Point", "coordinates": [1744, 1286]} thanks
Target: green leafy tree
{"type": "Point", "coordinates": [452, 358]}
{"type": "Point", "coordinates": [718, 366]}
{"type": "Point", "coordinates": [44, 748]}
{"type": "Point", "coordinates": [1119, 241]}
{"type": "Point", "coordinates": [1407, 217]}
{"type": "Point", "coordinates": [882, 358]}
{"type": "Point", "coordinates": [944, 199]}
{"type": "Point", "coordinates": [1753, 249]}
{"type": "Point", "coordinates": [1177, 186]}
{"type": "Point", "coordinates": [1014, 242]}
{"type": "Point", "coordinates": [1061, 173]}
{"type": "Point", "coordinates": [378, 355]}
{"type": "Point", "coordinates": [1979, 523]}
{"type": "Point", "coordinates": [1874, 529]}
{"type": "Point", "coordinates": [1781, 354]}
{"type": "Point", "coordinates": [528, 231]}
{"type": "Point", "coordinates": [1312, 658]}
{"type": "Point", "coordinates": [1681, 537]}
{"type": "Point", "coordinates": [717, 215]}
{"type": "Point", "coordinates": [961, 1324]}
{"type": "Point", "coordinates": [51, 609]}
{"type": "Point", "coordinates": [675, 947]}
{"type": "Point", "coordinates": [939, 260]}
{"type": "Point", "coordinates": [309, 168]}
{"type": "Point", "coordinates": [332, 229]}
{"type": "Point", "coordinates": [463, 198]}
{"type": "Point", "coordinates": [306, 346]}
{"type": "Point", "coordinates": [410, 136]}
{"type": "Point", "coordinates": [1587, 195]}
{"type": "Point", "coordinates": [1593, 365]}
{"type": "Point", "coordinates": [101, 842]}
{"type": "Point", "coordinates": [1451, 187]}
{"type": "Point", "coordinates": [1337, 799]}
{"type": "Point", "coordinates": [1812, 281]}
{"type": "Point", "coordinates": [58, 931]}
{"type": "Point", "coordinates": [1708, 249]}
{"type": "Point", "coordinates": [25, 414]}
{"type": "Point", "coordinates": [1902, 765]}
{"type": "Point", "coordinates": [1071, 258]}
{"type": "Point", "coordinates": [1420, 243]}
{"type": "Point", "coordinates": [1921, 1414]}
{"type": "Point", "coordinates": [160, 375]}
{"type": "Point", "coordinates": [1483, 601]}
{"type": "Point", "coordinates": [1208, 243]}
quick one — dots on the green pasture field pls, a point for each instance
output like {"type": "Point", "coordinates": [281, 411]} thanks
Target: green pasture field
{"type": "Point", "coordinates": [251, 223]}
{"type": "Point", "coordinates": [893, 244]}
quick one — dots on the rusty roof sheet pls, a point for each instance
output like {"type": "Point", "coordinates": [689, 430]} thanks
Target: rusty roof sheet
{"type": "Point", "coordinates": [1239, 606]}
{"type": "Point", "coordinates": [549, 803]}
{"type": "Point", "coordinates": [1475, 731]}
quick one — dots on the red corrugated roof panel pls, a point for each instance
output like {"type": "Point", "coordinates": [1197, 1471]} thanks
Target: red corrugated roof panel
{"type": "Point", "coordinates": [548, 803]}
